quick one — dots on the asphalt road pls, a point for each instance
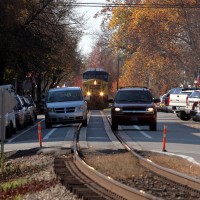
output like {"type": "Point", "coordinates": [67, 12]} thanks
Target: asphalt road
{"type": "Point", "coordinates": [182, 137]}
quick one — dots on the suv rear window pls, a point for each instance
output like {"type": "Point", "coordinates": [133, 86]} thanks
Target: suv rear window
{"type": "Point", "coordinates": [135, 96]}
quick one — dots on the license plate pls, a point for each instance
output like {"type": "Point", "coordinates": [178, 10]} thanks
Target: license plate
{"type": "Point", "coordinates": [134, 119]}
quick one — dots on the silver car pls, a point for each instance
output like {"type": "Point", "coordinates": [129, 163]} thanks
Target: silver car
{"type": "Point", "coordinates": [65, 105]}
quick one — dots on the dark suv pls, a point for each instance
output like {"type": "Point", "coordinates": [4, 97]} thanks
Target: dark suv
{"type": "Point", "coordinates": [134, 106]}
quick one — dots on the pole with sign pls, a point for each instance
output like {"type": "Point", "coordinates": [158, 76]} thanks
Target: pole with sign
{"type": "Point", "coordinates": [2, 135]}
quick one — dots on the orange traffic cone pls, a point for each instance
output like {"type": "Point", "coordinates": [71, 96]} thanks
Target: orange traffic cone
{"type": "Point", "coordinates": [40, 133]}
{"type": "Point", "coordinates": [164, 138]}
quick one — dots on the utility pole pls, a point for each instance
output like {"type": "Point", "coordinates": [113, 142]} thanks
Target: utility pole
{"type": "Point", "coordinates": [118, 72]}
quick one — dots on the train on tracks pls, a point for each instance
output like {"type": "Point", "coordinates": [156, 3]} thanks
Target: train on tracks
{"type": "Point", "coordinates": [95, 88]}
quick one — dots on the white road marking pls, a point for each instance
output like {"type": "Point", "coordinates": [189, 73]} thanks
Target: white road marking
{"type": "Point", "coordinates": [9, 141]}
{"type": "Point", "coordinates": [143, 133]}
{"type": "Point", "coordinates": [51, 132]}
{"type": "Point", "coordinates": [196, 134]}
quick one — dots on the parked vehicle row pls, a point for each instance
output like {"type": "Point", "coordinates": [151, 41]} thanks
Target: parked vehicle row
{"type": "Point", "coordinates": [22, 115]}
{"type": "Point", "coordinates": [10, 122]}
{"type": "Point", "coordinates": [181, 101]}
{"type": "Point", "coordinates": [25, 111]}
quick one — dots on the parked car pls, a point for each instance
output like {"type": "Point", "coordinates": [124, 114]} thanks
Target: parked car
{"type": "Point", "coordinates": [134, 106]}
{"type": "Point", "coordinates": [28, 111]}
{"type": "Point", "coordinates": [33, 105]}
{"type": "Point", "coordinates": [20, 114]}
{"type": "Point", "coordinates": [65, 105]}
{"type": "Point", "coordinates": [195, 111]}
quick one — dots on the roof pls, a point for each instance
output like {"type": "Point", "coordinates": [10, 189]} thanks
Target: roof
{"type": "Point", "coordinates": [134, 88]}
{"type": "Point", "coordinates": [95, 71]}
{"type": "Point", "coordinates": [65, 88]}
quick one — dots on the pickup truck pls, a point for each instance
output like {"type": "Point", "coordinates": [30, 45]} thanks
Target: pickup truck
{"type": "Point", "coordinates": [164, 104]}
{"type": "Point", "coordinates": [194, 97]}
{"type": "Point", "coordinates": [178, 102]}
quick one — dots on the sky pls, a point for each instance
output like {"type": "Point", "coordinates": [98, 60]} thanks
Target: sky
{"type": "Point", "coordinates": [92, 25]}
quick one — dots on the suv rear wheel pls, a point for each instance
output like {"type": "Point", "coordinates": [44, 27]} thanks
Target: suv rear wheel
{"type": "Point", "coordinates": [183, 116]}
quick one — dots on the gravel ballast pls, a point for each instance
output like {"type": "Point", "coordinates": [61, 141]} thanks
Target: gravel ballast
{"type": "Point", "coordinates": [36, 169]}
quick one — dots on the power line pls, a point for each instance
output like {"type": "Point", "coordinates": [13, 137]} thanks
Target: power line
{"type": "Point", "coordinates": [130, 5]}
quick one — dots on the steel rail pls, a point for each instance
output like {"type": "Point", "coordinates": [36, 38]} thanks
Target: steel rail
{"type": "Point", "coordinates": [110, 184]}
{"type": "Point", "coordinates": [173, 175]}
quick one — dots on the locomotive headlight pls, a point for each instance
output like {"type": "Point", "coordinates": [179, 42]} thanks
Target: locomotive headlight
{"type": "Point", "coordinates": [88, 93]}
{"type": "Point", "coordinates": [95, 82]}
{"type": "Point", "coordinates": [101, 94]}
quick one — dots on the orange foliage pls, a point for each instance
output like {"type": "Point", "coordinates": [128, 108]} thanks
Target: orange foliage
{"type": "Point", "coordinates": [159, 43]}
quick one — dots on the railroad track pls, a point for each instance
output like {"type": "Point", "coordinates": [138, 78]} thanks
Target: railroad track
{"type": "Point", "coordinates": [87, 183]}
{"type": "Point", "coordinates": [165, 172]}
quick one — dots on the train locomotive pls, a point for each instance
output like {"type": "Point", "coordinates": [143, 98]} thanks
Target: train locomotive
{"type": "Point", "coordinates": [95, 88]}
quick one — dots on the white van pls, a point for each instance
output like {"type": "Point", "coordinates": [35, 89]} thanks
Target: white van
{"type": "Point", "coordinates": [65, 105]}
{"type": "Point", "coordinates": [10, 122]}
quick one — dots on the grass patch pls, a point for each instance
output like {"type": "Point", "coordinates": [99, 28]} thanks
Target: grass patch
{"type": "Point", "coordinates": [13, 184]}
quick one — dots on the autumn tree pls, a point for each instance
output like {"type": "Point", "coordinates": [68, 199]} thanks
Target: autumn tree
{"type": "Point", "coordinates": [39, 38]}
{"type": "Point", "coordinates": [161, 41]}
